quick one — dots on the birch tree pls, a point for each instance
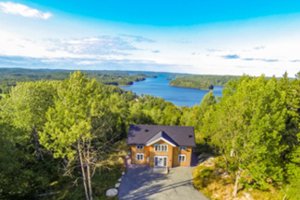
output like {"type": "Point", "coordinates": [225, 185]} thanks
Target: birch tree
{"type": "Point", "coordinates": [79, 126]}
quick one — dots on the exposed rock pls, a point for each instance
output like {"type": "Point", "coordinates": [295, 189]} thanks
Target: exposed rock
{"type": "Point", "coordinates": [117, 185]}
{"type": "Point", "coordinates": [248, 196]}
{"type": "Point", "coordinates": [225, 175]}
{"type": "Point", "coordinates": [209, 162]}
{"type": "Point", "coordinates": [203, 157]}
{"type": "Point", "coordinates": [219, 171]}
{"type": "Point", "coordinates": [123, 173]}
{"type": "Point", "coordinates": [120, 179]}
{"type": "Point", "coordinates": [111, 192]}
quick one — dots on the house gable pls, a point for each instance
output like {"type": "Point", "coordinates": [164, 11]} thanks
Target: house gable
{"type": "Point", "coordinates": [161, 136]}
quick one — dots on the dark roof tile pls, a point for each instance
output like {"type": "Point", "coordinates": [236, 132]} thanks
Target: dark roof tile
{"type": "Point", "coordinates": [180, 135]}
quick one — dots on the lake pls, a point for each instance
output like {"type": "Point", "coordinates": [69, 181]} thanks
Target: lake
{"type": "Point", "coordinates": [160, 87]}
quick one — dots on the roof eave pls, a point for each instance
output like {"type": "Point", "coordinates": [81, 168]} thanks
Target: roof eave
{"type": "Point", "coordinates": [158, 139]}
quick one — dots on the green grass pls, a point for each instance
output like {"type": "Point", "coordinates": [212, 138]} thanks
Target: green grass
{"type": "Point", "coordinates": [114, 166]}
{"type": "Point", "coordinates": [106, 179]}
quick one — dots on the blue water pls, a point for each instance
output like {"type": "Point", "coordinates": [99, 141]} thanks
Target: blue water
{"type": "Point", "coordinates": [160, 87]}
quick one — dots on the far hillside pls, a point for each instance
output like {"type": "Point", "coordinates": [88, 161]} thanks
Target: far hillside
{"type": "Point", "coordinates": [10, 76]}
{"type": "Point", "coordinates": [203, 82]}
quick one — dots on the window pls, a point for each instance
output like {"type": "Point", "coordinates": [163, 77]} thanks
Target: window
{"type": "Point", "coordinates": [139, 146]}
{"type": "Point", "coordinates": [182, 148]}
{"type": "Point", "coordinates": [139, 156]}
{"type": "Point", "coordinates": [181, 158]}
{"type": "Point", "coordinates": [161, 147]}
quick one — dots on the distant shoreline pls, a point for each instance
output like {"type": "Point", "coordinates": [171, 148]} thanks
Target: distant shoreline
{"type": "Point", "coordinates": [205, 89]}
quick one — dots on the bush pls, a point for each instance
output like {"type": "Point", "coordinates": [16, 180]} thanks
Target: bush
{"type": "Point", "coordinates": [202, 176]}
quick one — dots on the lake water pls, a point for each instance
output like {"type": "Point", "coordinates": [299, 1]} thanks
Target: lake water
{"type": "Point", "coordinates": [160, 87]}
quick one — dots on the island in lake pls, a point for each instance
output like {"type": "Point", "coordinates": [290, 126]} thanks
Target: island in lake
{"type": "Point", "coordinates": [160, 86]}
{"type": "Point", "coordinates": [203, 82]}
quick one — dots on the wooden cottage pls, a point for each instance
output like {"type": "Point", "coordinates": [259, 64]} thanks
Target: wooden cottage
{"type": "Point", "coordinates": [161, 146]}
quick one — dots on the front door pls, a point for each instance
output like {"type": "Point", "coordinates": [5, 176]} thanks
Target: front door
{"type": "Point", "coordinates": [160, 161]}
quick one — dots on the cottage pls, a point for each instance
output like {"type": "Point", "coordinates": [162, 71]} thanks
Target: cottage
{"type": "Point", "coordinates": [161, 146]}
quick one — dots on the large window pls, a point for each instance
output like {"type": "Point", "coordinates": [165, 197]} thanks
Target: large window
{"type": "Point", "coordinates": [140, 147]}
{"type": "Point", "coordinates": [161, 147]}
{"type": "Point", "coordinates": [139, 156]}
{"type": "Point", "coordinates": [181, 158]}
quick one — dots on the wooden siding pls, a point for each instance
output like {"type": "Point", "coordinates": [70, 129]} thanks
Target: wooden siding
{"type": "Point", "coordinates": [188, 157]}
{"type": "Point", "coordinates": [172, 154]}
{"type": "Point", "coordinates": [135, 151]}
{"type": "Point", "coordinates": [168, 153]}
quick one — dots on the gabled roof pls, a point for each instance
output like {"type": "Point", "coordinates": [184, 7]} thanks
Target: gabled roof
{"type": "Point", "coordinates": [161, 135]}
{"type": "Point", "coordinates": [147, 134]}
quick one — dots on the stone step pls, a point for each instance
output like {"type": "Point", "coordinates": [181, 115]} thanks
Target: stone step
{"type": "Point", "coordinates": [160, 170]}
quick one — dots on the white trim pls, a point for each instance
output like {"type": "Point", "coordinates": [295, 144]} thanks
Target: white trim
{"type": "Point", "coordinates": [140, 145]}
{"type": "Point", "coordinates": [161, 157]}
{"type": "Point", "coordinates": [161, 138]}
{"type": "Point", "coordinates": [182, 155]}
{"type": "Point", "coordinates": [138, 154]}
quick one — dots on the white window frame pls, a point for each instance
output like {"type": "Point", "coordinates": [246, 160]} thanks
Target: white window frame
{"type": "Point", "coordinates": [142, 156]}
{"type": "Point", "coordinates": [159, 147]}
{"type": "Point", "coordinates": [183, 148]}
{"type": "Point", "coordinates": [140, 147]}
{"type": "Point", "coordinates": [183, 156]}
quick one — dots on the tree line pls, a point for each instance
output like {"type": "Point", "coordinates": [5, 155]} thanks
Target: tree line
{"type": "Point", "coordinates": [10, 76]}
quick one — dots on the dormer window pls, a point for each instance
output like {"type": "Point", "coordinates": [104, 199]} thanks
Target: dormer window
{"type": "Point", "coordinates": [182, 148]}
{"type": "Point", "coordinates": [140, 146]}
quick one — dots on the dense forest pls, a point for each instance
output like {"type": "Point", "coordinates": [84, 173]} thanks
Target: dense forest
{"type": "Point", "coordinates": [64, 139]}
{"type": "Point", "coordinates": [10, 76]}
{"type": "Point", "coordinates": [254, 130]}
{"type": "Point", "coordinates": [203, 82]}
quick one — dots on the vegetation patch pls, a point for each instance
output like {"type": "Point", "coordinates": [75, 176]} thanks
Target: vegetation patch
{"type": "Point", "coordinates": [212, 179]}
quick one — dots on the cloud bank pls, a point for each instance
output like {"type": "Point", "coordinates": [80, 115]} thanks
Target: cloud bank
{"type": "Point", "coordinates": [23, 10]}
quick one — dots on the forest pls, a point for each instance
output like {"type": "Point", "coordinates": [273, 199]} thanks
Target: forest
{"type": "Point", "coordinates": [10, 76]}
{"type": "Point", "coordinates": [65, 139]}
{"type": "Point", "coordinates": [203, 82]}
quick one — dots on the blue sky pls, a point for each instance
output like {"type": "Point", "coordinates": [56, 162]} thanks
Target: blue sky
{"type": "Point", "coordinates": [202, 37]}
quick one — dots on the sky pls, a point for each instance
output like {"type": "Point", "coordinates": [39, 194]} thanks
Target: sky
{"type": "Point", "coordinates": [200, 37]}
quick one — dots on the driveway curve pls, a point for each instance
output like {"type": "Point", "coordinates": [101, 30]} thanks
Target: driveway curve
{"type": "Point", "coordinates": [141, 183]}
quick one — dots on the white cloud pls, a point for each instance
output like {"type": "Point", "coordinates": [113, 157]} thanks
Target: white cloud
{"type": "Point", "coordinates": [23, 10]}
{"type": "Point", "coordinates": [100, 45]}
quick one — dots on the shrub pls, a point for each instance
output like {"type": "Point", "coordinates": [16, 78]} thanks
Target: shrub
{"type": "Point", "coordinates": [202, 176]}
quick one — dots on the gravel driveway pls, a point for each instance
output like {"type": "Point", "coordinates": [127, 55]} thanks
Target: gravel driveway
{"type": "Point", "coordinates": [140, 183]}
